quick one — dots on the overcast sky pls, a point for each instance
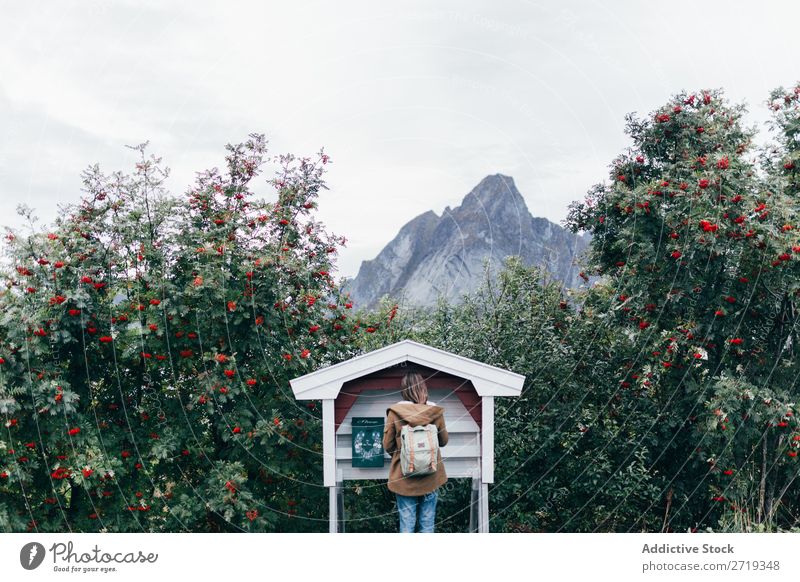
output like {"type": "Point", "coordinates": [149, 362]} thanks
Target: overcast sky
{"type": "Point", "coordinates": [414, 101]}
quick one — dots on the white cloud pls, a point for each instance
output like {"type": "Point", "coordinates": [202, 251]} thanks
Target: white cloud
{"type": "Point", "coordinates": [415, 102]}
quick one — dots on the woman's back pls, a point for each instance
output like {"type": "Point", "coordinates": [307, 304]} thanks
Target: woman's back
{"type": "Point", "coordinates": [416, 493]}
{"type": "Point", "coordinates": [413, 414]}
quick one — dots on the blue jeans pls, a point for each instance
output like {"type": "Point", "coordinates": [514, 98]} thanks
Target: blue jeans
{"type": "Point", "coordinates": [407, 508]}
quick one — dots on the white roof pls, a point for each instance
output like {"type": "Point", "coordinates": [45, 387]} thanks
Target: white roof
{"type": "Point", "coordinates": [326, 383]}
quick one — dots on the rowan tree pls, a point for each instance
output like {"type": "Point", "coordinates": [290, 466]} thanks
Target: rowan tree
{"type": "Point", "coordinates": [146, 347]}
{"type": "Point", "coordinates": [698, 251]}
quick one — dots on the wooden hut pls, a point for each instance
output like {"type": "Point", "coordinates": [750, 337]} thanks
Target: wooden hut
{"type": "Point", "coordinates": [365, 386]}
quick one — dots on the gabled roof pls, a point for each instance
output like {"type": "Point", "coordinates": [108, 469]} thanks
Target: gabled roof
{"type": "Point", "coordinates": [326, 383]}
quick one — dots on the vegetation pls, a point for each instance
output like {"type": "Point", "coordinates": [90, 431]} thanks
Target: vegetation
{"type": "Point", "coordinates": [146, 345]}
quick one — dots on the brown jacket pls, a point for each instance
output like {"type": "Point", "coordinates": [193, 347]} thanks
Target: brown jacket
{"type": "Point", "coordinates": [415, 415]}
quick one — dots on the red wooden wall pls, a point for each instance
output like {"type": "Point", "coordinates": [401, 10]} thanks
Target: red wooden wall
{"type": "Point", "coordinates": [389, 379]}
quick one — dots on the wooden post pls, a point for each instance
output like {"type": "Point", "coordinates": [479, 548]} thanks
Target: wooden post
{"type": "Point", "coordinates": [328, 443]}
{"type": "Point", "coordinates": [333, 506]}
{"type": "Point", "coordinates": [329, 463]}
{"type": "Point", "coordinates": [487, 439]}
{"type": "Point", "coordinates": [340, 501]}
{"type": "Point", "coordinates": [484, 509]}
{"type": "Point", "coordinates": [487, 462]}
{"type": "Point", "coordinates": [474, 505]}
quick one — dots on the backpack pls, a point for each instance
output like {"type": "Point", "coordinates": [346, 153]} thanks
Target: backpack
{"type": "Point", "coordinates": [419, 450]}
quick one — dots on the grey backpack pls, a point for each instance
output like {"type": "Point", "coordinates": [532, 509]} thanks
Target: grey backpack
{"type": "Point", "coordinates": [419, 450]}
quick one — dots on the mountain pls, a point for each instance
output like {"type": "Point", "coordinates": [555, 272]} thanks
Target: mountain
{"type": "Point", "coordinates": [434, 255]}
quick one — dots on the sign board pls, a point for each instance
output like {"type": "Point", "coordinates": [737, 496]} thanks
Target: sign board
{"type": "Point", "coordinates": [367, 442]}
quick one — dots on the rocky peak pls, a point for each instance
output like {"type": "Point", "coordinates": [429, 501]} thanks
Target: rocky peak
{"type": "Point", "coordinates": [432, 255]}
{"type": "Point", "coordinates": [494, 194]}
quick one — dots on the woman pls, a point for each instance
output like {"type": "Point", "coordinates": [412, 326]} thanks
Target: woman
{"type": "Point", "coordinates": [414, 494]}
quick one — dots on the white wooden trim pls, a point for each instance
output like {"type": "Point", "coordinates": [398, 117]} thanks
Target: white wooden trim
{"type": "Point", "coordinates": [459, 441]}
{"type": "Point", "coordinates": [465, 425]}
{"type": "Point", "coordinates": [487, 439]}
{"type": "Point", "coordinates": [328, 443]}
{"type": "Point", "coordinates": [327, 382]}
{"type": "Point", "coordinates": [456, 468]}
{"type": "Point", "coordinates": [448, 452]}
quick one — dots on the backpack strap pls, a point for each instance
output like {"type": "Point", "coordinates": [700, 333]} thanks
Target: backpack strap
{"type": "Point", "coordinates": [410, 448]}
{"type": "Point", "coordinates": [433, 453]}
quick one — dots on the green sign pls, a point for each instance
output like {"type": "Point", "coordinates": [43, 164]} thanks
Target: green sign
{"type": "Point", "coordinates": [368, 442]}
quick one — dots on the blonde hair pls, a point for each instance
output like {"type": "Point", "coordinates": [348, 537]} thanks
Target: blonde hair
{"type": "Point", "coordinates": [413, 388]}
